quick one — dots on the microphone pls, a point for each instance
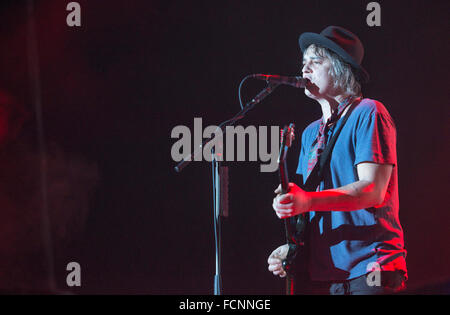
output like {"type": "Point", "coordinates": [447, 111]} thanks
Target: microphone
{"type": "Point", "coordinates": [297, 82]}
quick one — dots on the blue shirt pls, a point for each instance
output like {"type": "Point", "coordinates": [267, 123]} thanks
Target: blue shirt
{"type": "Point", "coordinates": [343, 244]}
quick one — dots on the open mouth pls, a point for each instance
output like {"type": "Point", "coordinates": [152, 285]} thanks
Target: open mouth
{"type": "Point", "coordinates": [308, 82]}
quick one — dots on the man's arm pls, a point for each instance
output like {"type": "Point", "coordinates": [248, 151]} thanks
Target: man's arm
{"type": "Point", "coordinates": [368, 191]}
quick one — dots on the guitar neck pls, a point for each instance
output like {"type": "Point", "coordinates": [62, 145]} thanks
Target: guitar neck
{"type": "Point", "coordinates": [284, 178]}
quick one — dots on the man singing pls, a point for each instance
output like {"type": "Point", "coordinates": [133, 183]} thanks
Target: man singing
{"type": "Point", "coordinates": [353, 222]}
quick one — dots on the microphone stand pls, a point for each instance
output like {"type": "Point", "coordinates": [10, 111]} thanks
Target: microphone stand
{"type": "Point", "coordinates": [220, 179]}
{"type": "Point", "coordinates": [218, 204]}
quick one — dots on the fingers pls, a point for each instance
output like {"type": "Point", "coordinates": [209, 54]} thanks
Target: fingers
{"type": "Point", "coordinates": [275, 261]}
{"type": "Point", "coordinates": [278, 190]}
{"type": "Point", "coordinates": [286, 198]}
{"type": "Point", "coordinates": [282, 214]}
{"type": "Point", "coordinates": [277, 269]}
{"type": "Point", "coordinates": [283, 210]}
{"type": "Point", "coordinates": [282, 206]}
{"type": "Point", "coordinates": [274, 267]}
{"type": "Point", "coordinates": [281, 273]}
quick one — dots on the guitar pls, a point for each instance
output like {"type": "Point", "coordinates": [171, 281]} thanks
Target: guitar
{"type": "Point", "coordinates": [294, 226]}
{"type": "Point", "coordinates": [286, 137]}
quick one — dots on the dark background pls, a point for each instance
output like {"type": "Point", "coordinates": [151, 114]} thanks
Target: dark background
{"type": "Point", "coordinates": [113, 89]}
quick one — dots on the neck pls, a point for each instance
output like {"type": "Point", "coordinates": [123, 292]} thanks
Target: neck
{"type": "Point", "coordinates": [330, 104]}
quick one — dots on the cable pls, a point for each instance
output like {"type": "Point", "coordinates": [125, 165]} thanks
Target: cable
{"type": "Point", "coordinates": [239, 90]}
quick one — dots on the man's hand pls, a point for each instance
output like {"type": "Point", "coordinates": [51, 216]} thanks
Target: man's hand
{"type": "Point", "coordinates": [295, 202]}
{"type": "Point", "coordinates": [275, 261]}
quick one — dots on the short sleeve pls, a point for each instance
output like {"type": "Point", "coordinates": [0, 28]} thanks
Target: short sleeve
{"type": "Point", "coordinates": [375, 137]}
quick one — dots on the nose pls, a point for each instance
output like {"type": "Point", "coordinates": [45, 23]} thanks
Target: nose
{"type": "Point", "coordinates": [306, 68]}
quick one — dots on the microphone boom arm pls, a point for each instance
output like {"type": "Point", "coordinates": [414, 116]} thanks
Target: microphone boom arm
{"type": "Point", "coordinates": [230, 122]}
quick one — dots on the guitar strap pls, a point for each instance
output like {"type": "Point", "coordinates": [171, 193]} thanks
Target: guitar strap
{"type": "Point", "coordinates": [316, 174]}
{"type": "Point", "coordinates": [298, 224]}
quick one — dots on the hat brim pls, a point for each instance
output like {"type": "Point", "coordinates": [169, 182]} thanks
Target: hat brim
{"type": "Point", "coordinates": [307, 39]}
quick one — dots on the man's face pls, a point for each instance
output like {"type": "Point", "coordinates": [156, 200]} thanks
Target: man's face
{"type": "Point", "coordinates": [316, 69]}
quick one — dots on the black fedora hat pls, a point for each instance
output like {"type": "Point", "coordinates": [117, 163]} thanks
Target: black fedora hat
{"type": "Point", "coordinates": [341, 41]}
